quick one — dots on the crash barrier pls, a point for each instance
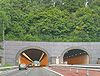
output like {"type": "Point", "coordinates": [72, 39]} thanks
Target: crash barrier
{"type": "Point", "coordinates": [77, 67]}
{"type": "Point", "coordinates": [10, 67]}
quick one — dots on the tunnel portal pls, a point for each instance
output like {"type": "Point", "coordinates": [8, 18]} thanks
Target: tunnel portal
{"type": "Point", "coordinates": [76, 56]}
{"type": "Point", "coordinates": [31, 55]}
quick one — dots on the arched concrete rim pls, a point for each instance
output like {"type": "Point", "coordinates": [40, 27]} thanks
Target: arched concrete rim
{"type": "Point", "coordinates": [71, 48]}
{"type": "Point", "coordinates": [34, 47]}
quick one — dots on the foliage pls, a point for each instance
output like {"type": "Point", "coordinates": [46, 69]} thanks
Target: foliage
{"type": "Point", "coordinates": [40, 20]}
{"type": "Point", "coordinates": [6, 65]}
{"type": "Point", "coordinates": [1, 47]}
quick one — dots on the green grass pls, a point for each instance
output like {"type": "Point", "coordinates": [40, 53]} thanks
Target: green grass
{"type": "Point", "coordinates": [6, 65]}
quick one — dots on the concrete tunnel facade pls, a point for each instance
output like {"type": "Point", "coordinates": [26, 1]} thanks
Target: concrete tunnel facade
{"type": "Point", "coordinates": [13, 49]}
{"type": "Point", "coordinates": [77, 56]}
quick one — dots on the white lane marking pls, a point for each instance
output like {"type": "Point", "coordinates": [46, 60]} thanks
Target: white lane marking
{"type": "Point", "coordinates": [53, 71]}
{"type": "Point", "coordinates": [7, 71]}
{"type": "Point", "coordinates": [28, 71]}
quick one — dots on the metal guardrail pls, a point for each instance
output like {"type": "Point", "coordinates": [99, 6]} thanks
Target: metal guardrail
{"type": "Point", "coordinates": [77, 67]}
{"type": "Point", "coordinates": [10, 67]}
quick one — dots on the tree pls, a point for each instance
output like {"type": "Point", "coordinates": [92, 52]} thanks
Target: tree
{"type": "Point", "coordinates": [3, 23]}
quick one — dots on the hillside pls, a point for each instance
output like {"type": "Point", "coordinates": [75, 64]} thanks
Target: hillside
{"type": "Point", "coordinates": [50, 20]}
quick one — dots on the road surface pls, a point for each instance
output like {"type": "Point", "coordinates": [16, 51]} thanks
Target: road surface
{"type": "Point", "coordinates": [30, 72]}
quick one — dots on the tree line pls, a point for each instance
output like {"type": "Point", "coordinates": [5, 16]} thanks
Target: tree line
{"type": "Point", "coordinates": [50, 20]}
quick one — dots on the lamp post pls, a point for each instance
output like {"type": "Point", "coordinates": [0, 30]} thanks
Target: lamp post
{"type": "Point", "coordinates": [3, 33]}
{"type": "Point", "coordinates": [3, 43]}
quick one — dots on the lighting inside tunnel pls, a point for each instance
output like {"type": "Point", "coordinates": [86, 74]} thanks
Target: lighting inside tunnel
{"type": "Point", "coordinates": [41, 57]}
{"type": "Point", "coordinates": [27, 57]}
{"type": "Point", "coordinates": [32, 56]}
{"type": "Point", "coordinates": [76, 56]}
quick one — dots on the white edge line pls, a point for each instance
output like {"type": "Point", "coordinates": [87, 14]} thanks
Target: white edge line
{"type": "Point", "coordinates": [53, 71]}
{"type": "Point", "coordinates": [8, 71]}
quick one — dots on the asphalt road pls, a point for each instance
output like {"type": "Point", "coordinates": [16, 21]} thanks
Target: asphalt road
{"type": "Point", "coordinates": [31, 72]}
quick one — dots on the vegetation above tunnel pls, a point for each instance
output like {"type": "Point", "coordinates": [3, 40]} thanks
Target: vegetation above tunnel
{"type": "Point", "coordinates": [41, 20]}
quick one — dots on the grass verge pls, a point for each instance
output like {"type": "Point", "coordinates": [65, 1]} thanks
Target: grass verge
{"type": "Point", "coordinates": [6, 65]}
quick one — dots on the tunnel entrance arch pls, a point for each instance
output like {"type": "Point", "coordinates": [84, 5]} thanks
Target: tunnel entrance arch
{"type": "Point", "coordinates": [76, 55]}
{"type": "Point", "coordinates": [30, 54]}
